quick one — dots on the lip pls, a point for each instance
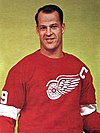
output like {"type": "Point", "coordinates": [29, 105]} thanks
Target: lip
{"type": "Point", "coordinates": [49, 40]}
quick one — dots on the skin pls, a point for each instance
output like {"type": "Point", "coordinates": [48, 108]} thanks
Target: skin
{"type": "Point", "coordinates": [50, 31]}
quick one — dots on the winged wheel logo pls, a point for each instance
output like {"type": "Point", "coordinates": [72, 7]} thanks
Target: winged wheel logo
{"type": "Point", "coordinates": [62, 85]}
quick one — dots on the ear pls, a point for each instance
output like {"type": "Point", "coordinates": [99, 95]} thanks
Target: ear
{"type": "Point", "coordinates": [37, 30]}
{"type": "Point", "coordinates": [63, 27]}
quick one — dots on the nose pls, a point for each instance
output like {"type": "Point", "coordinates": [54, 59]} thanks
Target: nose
{"type": "Point", "coordinates": [48, 31]}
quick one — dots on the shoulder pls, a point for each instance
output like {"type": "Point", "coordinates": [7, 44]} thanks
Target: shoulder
{"type": "Point", "coordinates": [25, 64]}
{"type": "Point", "coordinates": [76, 64]}
{"type": "Point", "coordinates": [74, 60]}
{"type": "Point", "coordinates": [27, 60]}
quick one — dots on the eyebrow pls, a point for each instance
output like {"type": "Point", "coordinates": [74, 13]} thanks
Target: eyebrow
{"type": "Point", "coordinates": [49, 25]}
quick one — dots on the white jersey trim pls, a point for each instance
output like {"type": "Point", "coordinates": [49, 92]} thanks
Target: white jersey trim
{"type": "Point", "coordinates": [9, 111]}
{"type": "Point", "coordinates": [88, 109]}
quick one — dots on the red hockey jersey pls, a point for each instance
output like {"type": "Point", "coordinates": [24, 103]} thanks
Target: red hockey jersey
{"type": "Point", "coordinates": [51, 95]}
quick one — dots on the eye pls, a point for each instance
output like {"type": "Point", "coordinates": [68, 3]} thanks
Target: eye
{"type": "Point", "coordinates": [54, 26]}
{"type": "Point", "coordinates": [42, 28]}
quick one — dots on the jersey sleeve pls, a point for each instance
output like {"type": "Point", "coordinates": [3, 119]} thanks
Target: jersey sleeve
{"type": "Point", "coordinates": [87, 98]}
{"type": "Point", "coordinates": [12, 100]}
{"type": "Point", "coordinates": [91, 118]}
{"type": "Point", "coordinates": [91, 123]}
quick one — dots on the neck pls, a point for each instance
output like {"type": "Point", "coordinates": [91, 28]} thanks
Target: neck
{"type": "Point", "coordinates": [52, 54]}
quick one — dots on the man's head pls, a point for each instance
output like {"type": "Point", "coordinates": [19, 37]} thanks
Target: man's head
{"type": "Point", "coordinates": [49, 9]}
{"type": "Point", "coordinates": [50, 28]}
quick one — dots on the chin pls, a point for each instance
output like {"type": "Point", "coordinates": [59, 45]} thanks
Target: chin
{"type": "Point", "coordinates": [51, 49]}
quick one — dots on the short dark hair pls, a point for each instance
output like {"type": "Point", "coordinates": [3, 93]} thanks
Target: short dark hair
{"type": "Point", "coordinates": [49, 9]}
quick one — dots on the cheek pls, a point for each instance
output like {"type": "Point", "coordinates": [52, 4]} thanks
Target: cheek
{"type": "Point", "coordinates": [59, 34]}
{"type": "Point", "coordinates": [42, 38]}
{"type": "Point", "coordinates": [40, 35]}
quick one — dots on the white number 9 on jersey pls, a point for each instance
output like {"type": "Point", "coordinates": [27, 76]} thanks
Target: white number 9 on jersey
{"type": "Point", "coordinates": [4, 97]}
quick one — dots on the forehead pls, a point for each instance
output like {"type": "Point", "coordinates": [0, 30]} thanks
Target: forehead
{"type": "Point", "coordinates": [48, 18]}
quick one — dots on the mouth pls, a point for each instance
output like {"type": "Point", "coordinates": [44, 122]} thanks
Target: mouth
{"type": "Point", "coordinates": [49, 40]}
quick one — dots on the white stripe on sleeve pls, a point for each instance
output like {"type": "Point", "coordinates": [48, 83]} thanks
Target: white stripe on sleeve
{"type": "Point", "coordinates": [88, 109]}
{"type": "Point", "coordinates": [9, 111]}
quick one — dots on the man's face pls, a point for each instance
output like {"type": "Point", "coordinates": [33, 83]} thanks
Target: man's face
{"type": "Point", "coordinates": [50, 31]}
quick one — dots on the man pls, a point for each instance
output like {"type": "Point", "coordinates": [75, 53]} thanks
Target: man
{"type": "Point", "coordinates": [51, 90]}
